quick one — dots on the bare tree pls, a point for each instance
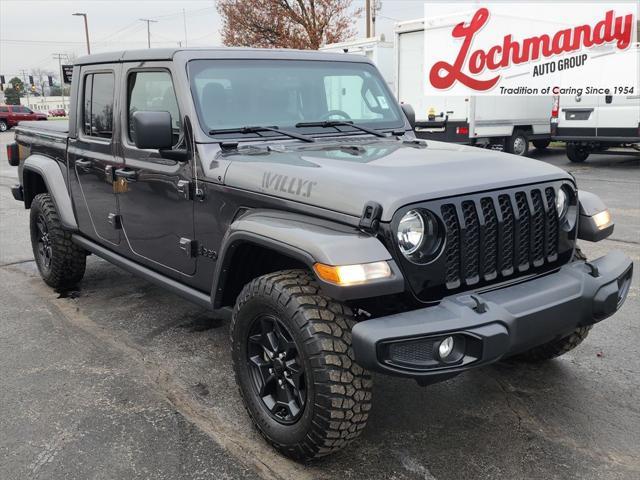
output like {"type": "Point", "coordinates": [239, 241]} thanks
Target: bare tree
{"type": "Point", "coordinates": [302, 24]}
{"type": "Point", "coordinates": [41, 79]}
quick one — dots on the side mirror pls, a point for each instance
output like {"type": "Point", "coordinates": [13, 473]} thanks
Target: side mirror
{"type": "Point", "coordinates": [152, 130]}
{"type": "Point", "coordinates": [410, 114]}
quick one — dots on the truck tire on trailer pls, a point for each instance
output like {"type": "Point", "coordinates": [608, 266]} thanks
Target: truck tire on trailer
{"type": "Point", "coordinates": [576, 153]}
{"type": "Point", "coordinates": [517, 144]}
{"type": "Point", "coordinates": [541, 144]}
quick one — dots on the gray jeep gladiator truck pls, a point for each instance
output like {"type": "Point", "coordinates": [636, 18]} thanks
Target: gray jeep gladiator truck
{"type": "Point", "coordinates": [288, 189]}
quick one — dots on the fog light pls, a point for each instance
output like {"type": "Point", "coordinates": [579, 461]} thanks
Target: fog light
{"type": "Point", "coordinates": [446, 347]}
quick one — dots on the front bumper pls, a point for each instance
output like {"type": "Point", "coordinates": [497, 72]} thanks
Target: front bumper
{"type": "Point", "coordinates": [493, 324]}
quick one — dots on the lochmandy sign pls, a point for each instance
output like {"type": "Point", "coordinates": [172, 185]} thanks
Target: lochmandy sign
{"type": "Point", "coordinates": [513, 48]}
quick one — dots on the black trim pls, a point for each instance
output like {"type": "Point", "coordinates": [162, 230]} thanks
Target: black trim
{"type": "Point", "coordinates": [17, 193]}
{"type": "Point", "coordinates": [575, 132]}
{"type": "Point", "coordinates": [591, 133]}
{"type": "Point", "coordinates": [619, 132]}
{"type": "Point", "coordinates": [191, 294]}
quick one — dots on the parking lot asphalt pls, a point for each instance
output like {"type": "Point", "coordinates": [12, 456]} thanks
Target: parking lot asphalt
{"type": "Point", "coordinates": [125, 380]}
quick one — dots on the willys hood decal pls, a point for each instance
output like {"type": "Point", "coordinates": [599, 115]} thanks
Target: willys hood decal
{"type": "Point", "coordinates": [343, 175]}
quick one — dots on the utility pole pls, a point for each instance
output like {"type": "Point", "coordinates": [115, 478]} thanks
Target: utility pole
{"type": "Point", "coordinates": [86, 29]}
{"type": "Point", "coordinates": [27, 85]}
{"type": "Point", "coordinates": [184, 23]}
{"type": "Point", "coordinates": [149, 21]}
{"type": "Point", "coordinates": [367, 9]}
{"type": "Point", "coordinates": [377, 5]}
{"type": "Point", "coordinates": [59, 56]}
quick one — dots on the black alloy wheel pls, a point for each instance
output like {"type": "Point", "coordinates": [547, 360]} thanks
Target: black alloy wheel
{"type": "Point", "coordinates": [43, 245]}
{"type": "Point", "coordinates": [276, 369]}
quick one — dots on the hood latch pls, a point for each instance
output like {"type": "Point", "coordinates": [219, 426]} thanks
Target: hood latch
{"type": "Point", "coordinates": [370, 218]}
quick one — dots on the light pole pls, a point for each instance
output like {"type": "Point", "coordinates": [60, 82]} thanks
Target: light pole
{"type": "Point", "coordinates": [86, 29]}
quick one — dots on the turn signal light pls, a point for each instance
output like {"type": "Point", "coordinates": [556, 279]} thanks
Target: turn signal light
{"type": "Point", "coordinates": [602, 219]}
{"type": "Point", "coordinates": [345, 275]}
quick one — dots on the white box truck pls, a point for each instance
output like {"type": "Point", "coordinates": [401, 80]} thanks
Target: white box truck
{"type": "Point", "coordinates": [509, 123]}
{"type": "Point", "coordinates": [377, 49]}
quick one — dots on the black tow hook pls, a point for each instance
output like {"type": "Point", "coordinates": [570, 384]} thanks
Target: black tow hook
{"type": "Point", "coordinates": [593, 270]}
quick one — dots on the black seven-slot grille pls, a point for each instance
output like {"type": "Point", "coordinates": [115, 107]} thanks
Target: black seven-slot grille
{"type": "Point", "coordinates": [490, 238]}
{"type": "Point", "coordinates": [510, 234]}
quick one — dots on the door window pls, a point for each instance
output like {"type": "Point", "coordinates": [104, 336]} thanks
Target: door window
{"type": "Point", "coordinates": [98, 105]}
{"type": "Point", "coordinates": [152, 91]}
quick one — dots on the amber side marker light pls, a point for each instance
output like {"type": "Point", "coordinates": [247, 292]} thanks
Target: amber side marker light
{"type": "Point", "coordinates": [602, 219]}
{"type": "Point", "coordinates": [345, 275]}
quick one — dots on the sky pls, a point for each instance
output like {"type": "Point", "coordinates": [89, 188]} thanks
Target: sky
{"type": "Point", "coordinates": [32, 31]}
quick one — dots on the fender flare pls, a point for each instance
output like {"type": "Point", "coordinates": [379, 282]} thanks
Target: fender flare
{"type": "Point", "coordinates": [50, 172]}
{"type": "Point", "coordinates": [308, 240]}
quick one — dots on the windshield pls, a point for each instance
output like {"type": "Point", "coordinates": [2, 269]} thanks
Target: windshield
{"type": "Point", "coordinates": [231, 94]}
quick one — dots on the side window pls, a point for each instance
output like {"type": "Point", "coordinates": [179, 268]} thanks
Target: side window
{"type": "Point", "coordinates": [4, 109]}
{"type": "Point", "coordinates": [98, 105]}
{"type": "Point", "coordinates": [152, 91]}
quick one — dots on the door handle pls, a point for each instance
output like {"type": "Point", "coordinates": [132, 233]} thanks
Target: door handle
{"type": "Point", "coordinates": [83, 165]}
{"type": "Point", "coordinates": [127, 174]}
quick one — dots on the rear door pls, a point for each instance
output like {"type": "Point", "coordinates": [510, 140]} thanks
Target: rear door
{"type": "Point", "coordinates": [619, 116]}
{"type": "Point", "coordinates": [91, 155]}
{"type": "Point", "coordinates": [578, 116]}
{"type": "Point", "coordinates": [155, 199]}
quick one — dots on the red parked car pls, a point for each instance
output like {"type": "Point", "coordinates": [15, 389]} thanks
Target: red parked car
{"type": "Point", "coordinates": [57, 112]}
{"type": "Point", "coordinates": [10, 115]}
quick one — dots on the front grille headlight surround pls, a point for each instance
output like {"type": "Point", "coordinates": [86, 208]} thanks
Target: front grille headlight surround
{"type": "Point", "coordinates": [567, 207]}
{"type": "Point", "coordinates": [419, 235]}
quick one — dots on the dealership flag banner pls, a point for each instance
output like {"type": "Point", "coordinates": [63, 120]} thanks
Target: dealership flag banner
{"type": "Point", "coordinates": [513, 48]}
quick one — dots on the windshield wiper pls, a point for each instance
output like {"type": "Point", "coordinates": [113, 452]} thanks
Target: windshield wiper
{"type": "Point", "coordinates": [257, 130]}
{"type": "Point", "coordinates": [340, 123]}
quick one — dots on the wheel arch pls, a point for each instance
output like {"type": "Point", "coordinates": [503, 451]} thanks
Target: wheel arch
{"type": "Point", "coordinates": [263, 241]}
{"type": "Point", "coordinates": [42, 174]}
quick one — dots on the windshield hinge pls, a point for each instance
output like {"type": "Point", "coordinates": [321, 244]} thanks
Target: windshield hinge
{"type": "Point", "coordinates": [370, 218]}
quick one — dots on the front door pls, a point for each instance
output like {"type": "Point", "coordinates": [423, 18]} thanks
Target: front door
{"type": "Point", "coordinates": [154, 192]}
{"type": "Point", "coordinates": [92, 160]}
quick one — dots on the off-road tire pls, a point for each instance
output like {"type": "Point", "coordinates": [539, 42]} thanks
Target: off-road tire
{"type": "Point", "coordinates": [338, 390]}
{"type": "Point", "coordinates": [67, 260]}
{"type": "Point", "coordinates": [541, 144]}
{"type": "Point", "coordinates": [560, 346]}
{"type": "Point", "coordinates": [577, 154]}
{"type": "Point", "coordinates": [517, 144]}
{"type": "Point", "coordinates": [3, 126]}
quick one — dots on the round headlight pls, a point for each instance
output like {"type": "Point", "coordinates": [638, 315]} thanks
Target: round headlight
{"type": "Point", "coordinates": [562, 203]}
{"type": "Point", "coordinates": [410, 232]}
{"type": "Point", "coordinates": [419, 235]}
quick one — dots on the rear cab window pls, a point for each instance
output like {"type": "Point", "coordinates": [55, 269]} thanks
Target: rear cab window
{"type": "Point", "coordinates": [97, 115]}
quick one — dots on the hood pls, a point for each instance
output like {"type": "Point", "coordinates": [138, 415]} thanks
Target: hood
{"type": "Point", "coordinates": [344, 175]}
